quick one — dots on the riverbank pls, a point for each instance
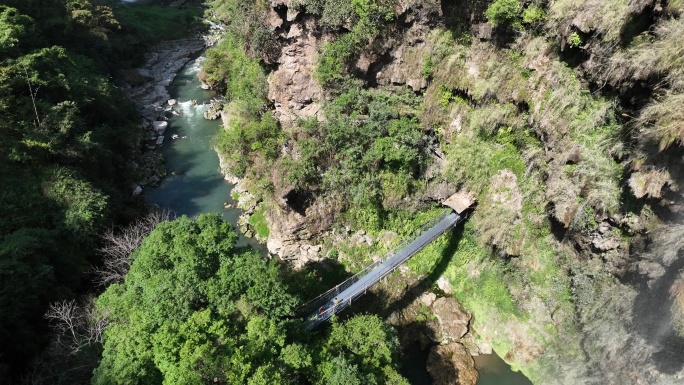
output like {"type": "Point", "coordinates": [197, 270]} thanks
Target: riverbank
{"type": "Point", "coordinates": [148, 88]}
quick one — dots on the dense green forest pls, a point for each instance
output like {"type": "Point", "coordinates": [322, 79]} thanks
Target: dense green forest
{"type": "Point", "coordinates": [195, 308]}
{"type": "Point", "coordinates": [67, 134]}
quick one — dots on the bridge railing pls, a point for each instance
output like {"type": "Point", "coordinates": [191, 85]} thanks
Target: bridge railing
{"type": "Point", "coordinates": [329, 295]}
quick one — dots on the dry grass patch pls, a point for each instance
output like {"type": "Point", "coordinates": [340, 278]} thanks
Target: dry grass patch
{"type": "Point", "coordinates": [649, 183]}
{"type": "Point", "coordinates": [606, 17]}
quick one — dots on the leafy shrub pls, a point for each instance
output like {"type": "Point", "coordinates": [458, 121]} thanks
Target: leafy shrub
{"type": "Point", "coordinates": [333, 13]}
{"type": "Point", "coordinates": [248, 136]}
{"type": "Point", "coordinates": [575, 40]}
{"type": "Point", "coordinates": [332, 61]}
{"type": "Point", "coordinates": [428, 67]}
{"type": "Point", "coordinates": [227, 67]}
{"type": "Point", "coordinates": [258, 221]}
{"type": "Point", "coordinates": [502, 11]}
{"type": "Point", "coordinates": [533, 14]}
{"type": "Point", "coordinates": [246, 21]}
{"type": "Point", "coordinates": [334, 57]}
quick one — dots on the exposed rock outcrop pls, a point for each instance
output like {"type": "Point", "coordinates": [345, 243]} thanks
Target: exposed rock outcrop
{"type": "Point", "coordinates": [293, 236]}
{"type": "Point", "coordinates": [453, 320]}
{"type": "Point", "coordinates": [293, 90]}
{"type": "Point", "coordinates": [408, 57]}
{"type": "Point", "coordinates": [451, 364]}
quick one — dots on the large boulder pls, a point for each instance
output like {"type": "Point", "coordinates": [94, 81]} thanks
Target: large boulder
{"type": "Point", "coordinates": [453, 320]}
{"type": "Point", "coordinates": [451, 364]}
{"type": "Point", "coordinates": [160, 126]}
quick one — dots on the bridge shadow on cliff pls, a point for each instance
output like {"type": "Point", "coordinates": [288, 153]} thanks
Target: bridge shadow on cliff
{"type": "Point", "coordinates": [383, 303]}
{"type": "Point", "coordinates": [418, 288]}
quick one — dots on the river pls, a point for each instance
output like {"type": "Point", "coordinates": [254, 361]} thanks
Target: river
{"type": "Point", "coordinates": [194, 184]}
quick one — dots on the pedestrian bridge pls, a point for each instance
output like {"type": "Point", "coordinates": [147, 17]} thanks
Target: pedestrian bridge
{"type": "Point", "coordinates": [334, 300]}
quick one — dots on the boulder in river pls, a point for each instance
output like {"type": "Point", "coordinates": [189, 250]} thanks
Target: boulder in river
{"type": "Point", "coordinates": [160, 126]}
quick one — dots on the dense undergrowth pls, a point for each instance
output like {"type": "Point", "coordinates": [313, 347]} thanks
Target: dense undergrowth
{"type": "Point", "coordinates": [67, 134]}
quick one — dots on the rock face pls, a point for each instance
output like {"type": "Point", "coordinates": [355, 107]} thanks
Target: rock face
{"type": "Point", "coordinates": [292, 88]}
{"type": "Point", "coordinates": [408, 57]}
{"type": "Point", "coordinates": [292, 234]}
{"type": "Point", "coordinates": [451, 364]}
{"type": "Point", "coordinates": [453, 320]}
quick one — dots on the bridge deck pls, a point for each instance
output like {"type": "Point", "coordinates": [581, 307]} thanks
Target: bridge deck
{"type": "Point", "coordinates": [345, 296]}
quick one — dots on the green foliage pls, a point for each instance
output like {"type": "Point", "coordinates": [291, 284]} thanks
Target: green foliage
{"type": "Point", "coordinates": [332, 13]}
{"type": "Point", "coordinates": [66, 132]}
{"type": "Point", "coordinates": [251, 132]}
{"type": "Point", "coordinates": [258, 221]}
{"type": "Point", "coordinates": [333, 59]}
{"type": "Point", "coordinates": [428, 67]}
{"type": "Point", "coordinates": [367, 153]}
{"type": "Point", "coordinates": [367, 24]}
{"type": "Point", "coordinates": [246, 22]}
{"type": "Point", "coordinates": [363, 350]}
{"type": "Point", "coordinates": [83, 207]}
{"type": "Point", "coordinates": [156, 23]}
{"type": "Point", "coordinates": [248, 137]}
{"type": "Point", "coordinates": [364, 140]}
{"type": "Point", "coordinates": [533, 14]}
{"type": "Point", "coordinates": [228, 67]}
{"type": "Point", "coordinates": [17, 30]}
{"type": "Point", "coordinates": [502, 12]}
{"type": "Point", "coordinates": [183, 290]}
{"type": "Point", "coordinates": [575, 40]}
{"type": "Point", "coordinates": [195, 306]}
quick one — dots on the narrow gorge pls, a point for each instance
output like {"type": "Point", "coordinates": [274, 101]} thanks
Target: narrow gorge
{"type": "Point", "coordinates": [182, 177]}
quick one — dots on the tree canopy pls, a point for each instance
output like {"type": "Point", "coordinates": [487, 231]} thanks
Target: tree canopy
{"type": "Point", "coordinates": [195, 308]}
{"type": "Point", "coordinates": [66, 131]}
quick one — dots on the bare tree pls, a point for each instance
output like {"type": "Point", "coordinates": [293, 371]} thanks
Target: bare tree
{"type": "Point", "coordinates": [118, 246]}
{"type": "Point", "coordinates": [66, 320]}
{"type": "Point", "coordinates": [76, 327]}
{"type": "Point", "coordinates": [74, 349]}
{"type": "Point", "coordinates": [33, 93]}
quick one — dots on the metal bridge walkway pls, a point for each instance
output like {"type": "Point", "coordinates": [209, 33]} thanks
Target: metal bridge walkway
{"type": "Point", "coordinates": [333, 301]}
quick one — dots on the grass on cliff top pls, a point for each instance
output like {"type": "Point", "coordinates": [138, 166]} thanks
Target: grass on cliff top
{"type": "Point", "coordinates": [258, 221]}
{"type": "Point", "coordinates": [157, 23]}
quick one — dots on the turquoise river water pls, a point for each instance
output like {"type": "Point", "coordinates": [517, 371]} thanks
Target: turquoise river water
{"type": "Point", "coordinates": [194, 185]}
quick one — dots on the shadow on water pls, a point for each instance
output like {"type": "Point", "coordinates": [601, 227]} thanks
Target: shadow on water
{"type": "Point", "coordinates": [652, 317]}
{"type": "Point", "coordinates": [495, 371]}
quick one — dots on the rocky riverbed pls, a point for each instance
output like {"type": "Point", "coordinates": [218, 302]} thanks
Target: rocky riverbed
{"type": "Point", "coordinates": [148, 88]}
